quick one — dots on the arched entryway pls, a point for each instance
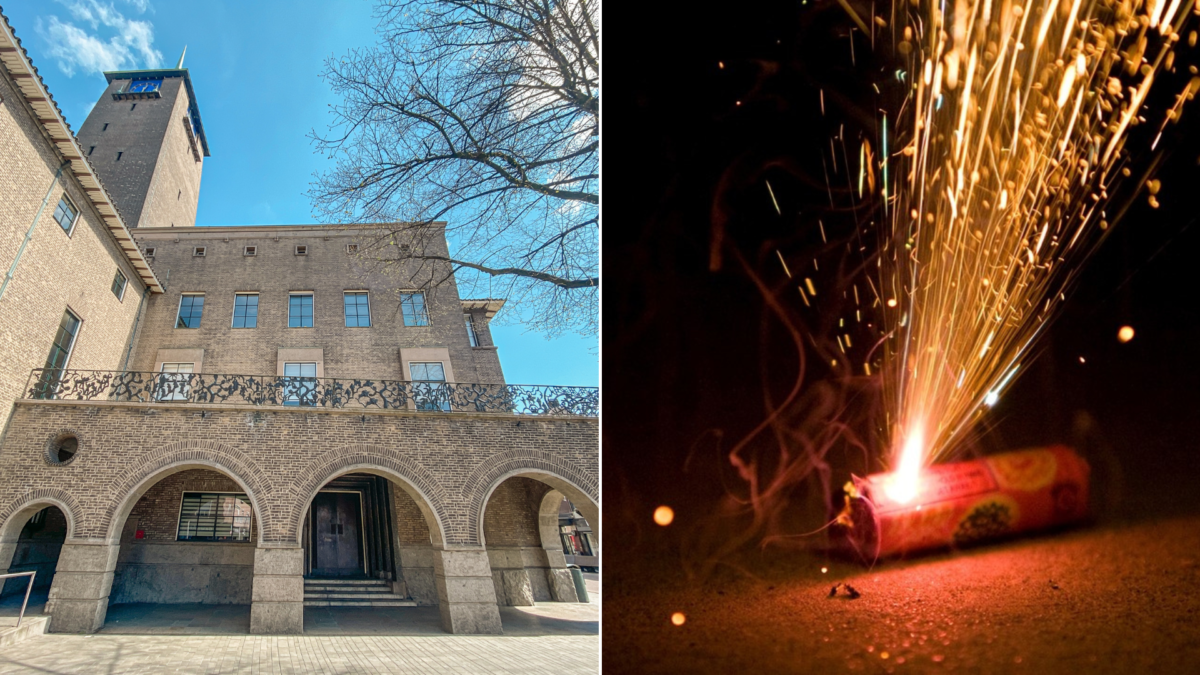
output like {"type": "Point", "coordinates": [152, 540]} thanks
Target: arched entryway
{"type": "Point", "coordinates": [186, 537]}
{"type": "Point", "coordinates": [520, 527]}
{"type": "Point", "coordinates": [31, 542]}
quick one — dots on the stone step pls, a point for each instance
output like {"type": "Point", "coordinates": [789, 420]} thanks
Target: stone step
{"type": "Point", "coordinates": [349, 589]}
{"type": "Point", "coordinates": [359, 603]}
{"type": "Point", "coordinates": [337, 581]}
{"type": "Point", "coordinates": [347, 584]}
{"type": "Point", "coordinates": [309, 595]}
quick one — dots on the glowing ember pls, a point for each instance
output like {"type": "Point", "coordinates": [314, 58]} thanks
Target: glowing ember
{"type": "Point", "coordinates": [1125, 334]}
{"type": "Point", "coordinates": [664, 515]}
{"type": "Point", "coordinates": [903, 487]}
{"type": "Point", "coordinates": [678, 618]}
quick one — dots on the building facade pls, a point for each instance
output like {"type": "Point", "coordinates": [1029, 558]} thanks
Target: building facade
{"type": "Point", "coordinates": [247, 415]}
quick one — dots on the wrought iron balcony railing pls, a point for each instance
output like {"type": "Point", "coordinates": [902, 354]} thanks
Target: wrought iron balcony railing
{"type": "Point", "coordinates": [204, 388]}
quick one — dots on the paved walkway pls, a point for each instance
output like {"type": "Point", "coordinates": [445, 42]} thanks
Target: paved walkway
{"type": "Point", "coordinates": [550, 638]}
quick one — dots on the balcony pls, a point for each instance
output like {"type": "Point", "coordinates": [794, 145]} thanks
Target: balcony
{"type": "Point", "coordinates": [311, 392]}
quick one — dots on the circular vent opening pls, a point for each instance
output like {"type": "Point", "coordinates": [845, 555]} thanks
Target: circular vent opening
{"type": "Point", "coordinates": [63, 449]}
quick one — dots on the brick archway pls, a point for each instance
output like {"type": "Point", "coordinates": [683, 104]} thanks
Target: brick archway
{"type": "Point", "coordinates": [31, 502]}
{"type": "Point", "coordinates": [408, 474]}
{"type": "Point", "coordinates": [180, 456]}
{"type": "Point", "coordinates": [544, 466]}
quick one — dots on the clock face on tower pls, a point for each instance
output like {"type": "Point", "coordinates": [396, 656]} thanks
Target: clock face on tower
{"type": "Point", "coordinates": [144, 86]}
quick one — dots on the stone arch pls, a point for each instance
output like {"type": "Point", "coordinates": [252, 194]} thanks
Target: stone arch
{"type": "Point", "coordinates": [181, 456]}
{"type": "Point", "coordinates": [542, 466]}
{"type": "Point", "coordinates": [15, 513]}
{"type": "Point", "coordinates": [411, 476]}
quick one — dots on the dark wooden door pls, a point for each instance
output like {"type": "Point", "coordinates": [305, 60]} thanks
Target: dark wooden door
{"type": "Point", "coordinates": [336, 535]}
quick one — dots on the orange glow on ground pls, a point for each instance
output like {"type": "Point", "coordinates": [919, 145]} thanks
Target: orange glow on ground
{"type": "Point", "coordinates": [664, 515]}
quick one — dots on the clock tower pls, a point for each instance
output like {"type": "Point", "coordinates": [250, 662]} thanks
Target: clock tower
{"type": "Point", "coordinates": [146, 141]}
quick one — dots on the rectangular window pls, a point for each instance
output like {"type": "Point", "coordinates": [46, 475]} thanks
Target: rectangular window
{"type": "Point", "coordinates": [301, 250]}
{"type": "Point", "coordinates": [91, 150]}
{"type": "Point", "coordinates": [205, 516]}
{"type": "Point", "coordinates": [191, 308]}
{"type": "Point", "coordinates": [300, 384]}
{"type": "Point", "coordinates": [471, 334]}
{"type": "Point", "coordinates": [413, 307]}
{"type": "Point", "coordinates": [175, 382]}
{"type": "Point", "coordinates": [429, 386]}
{"type": "Point", "coordinates": [245, 310]}
{"type": "Point", "coordinates": [65, 214]}
{"type": "Point", "coordinates": [300, 310]}
{"type": "Point", "coordinates": [199, 251]}
{"type": "Point", "coordinates": [358, 310]}
{"type": "Point", "coordinates": [250, 251]}
{"type": "Point", "coordinates": [118, 285]}
{"type": "Point", "coordinates": [150, 251]}
{"type": "Point", "coordinates": [351, 248]}
{"type": "Point", "coordinates": [60, 355]}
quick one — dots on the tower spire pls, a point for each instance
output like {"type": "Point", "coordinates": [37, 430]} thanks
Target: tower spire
{"type": "Point", "coordinates": [180, 64]}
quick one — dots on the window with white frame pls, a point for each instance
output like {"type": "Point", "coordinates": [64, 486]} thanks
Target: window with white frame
{"type": "Point", "coordinates": [412, 305]}
{"type": "Point", "coordinates": [174, 382]}
{"type": "Point", "coordinates": [300, 310]}
{"type": "Point", "coordinates": [245, 310]}
{"type": "Point", "coordinates": [299, 383]}
{"type": "Point", "coordinates": [430, 391]}
{"type": "Point", "coordinates": [65, 214]}
{"type": "Point", "coordinates": [358, 309]}
{"type": "Point", "coordinates": [118, 285]}
{"type": "Point", "coordinates": [471, 334]}
{"type": "Point", "coordinates": [191, 310]}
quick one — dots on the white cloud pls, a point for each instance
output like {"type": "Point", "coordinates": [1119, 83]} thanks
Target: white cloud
{"type": "Point", "coordinates": [132, 45]}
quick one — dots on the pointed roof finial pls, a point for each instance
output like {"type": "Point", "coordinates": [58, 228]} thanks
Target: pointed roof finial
{"type": "Point", "coordinates": [180, 65]}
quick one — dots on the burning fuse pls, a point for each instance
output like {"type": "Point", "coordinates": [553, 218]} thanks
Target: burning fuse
{"type": "Point", "coordinates": [963, 503]}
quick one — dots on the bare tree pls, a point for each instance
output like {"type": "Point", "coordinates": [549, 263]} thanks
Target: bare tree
{"type": "Point", "coordinates": [482, 118]}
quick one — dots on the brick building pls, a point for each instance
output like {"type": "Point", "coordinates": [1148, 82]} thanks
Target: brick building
{"type": "Point", "coordinates": [245, 415]}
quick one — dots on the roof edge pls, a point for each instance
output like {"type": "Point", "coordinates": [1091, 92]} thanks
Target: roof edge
{"type": "Point", "coordinates": [50, 118]}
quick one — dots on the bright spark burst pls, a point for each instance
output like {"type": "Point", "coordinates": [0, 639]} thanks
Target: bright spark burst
{"type": "Point", "coordinates": [1011, 136]}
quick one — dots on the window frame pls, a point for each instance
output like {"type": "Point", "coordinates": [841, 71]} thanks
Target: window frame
{"type": "Point", "coordinates": [472, 333]}
{"type": "Point", "coordinates": [124, 284]}
{"type": "Point", "coordinates": [179, 309]}
{"type": "Point", "coordinates": [297, 249]}
{"type": "Point", "coordinates": [357, 292]}
{"type": "Point", "coordinates": [74, 218]}
{"type": "Point", "coordinates": [164, 376]}
{"type": "Point", "coordinates": [250, 251]}
{"type": "Point", "coordinates": [214, 540]}
{"type": "Point", "coordinates": [150, 251]}
{"type": "Point", "coordinates": [233, 319]}
{"type": "Point", "coordinates": [430, 390]}
{"type": "Point", "coordinates": [50, 382]}
{"type": "Point", "coordinates": [199, 251]}
{"type": "Point", "coordinates": [310, 294]}
{"type": "Point", "coordinates": [424, 310]}
{"type": "Point", "coordinates": [309, 400]}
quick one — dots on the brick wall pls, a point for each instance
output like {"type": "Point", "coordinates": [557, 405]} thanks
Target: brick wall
{"type": "Point", "coordinates": [328, 271]}
{"type": "Point", "coordinates": [284, 455]}
{"type": "Point", "coordinates": [156, 183]}
{"type": "Point", "coordinates": [408, 520]}
{"type": "Point", "coordinates": [511, 516]}
{"type": "Point", "coordinates": [57, 270]}
{"type": "Point", "coordinates": [157, 512]}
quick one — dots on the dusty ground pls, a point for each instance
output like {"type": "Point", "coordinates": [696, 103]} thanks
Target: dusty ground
{"type": "Point", "coordinates": [1113, 599]}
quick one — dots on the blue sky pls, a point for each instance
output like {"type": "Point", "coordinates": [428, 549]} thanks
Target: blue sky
{"type": "Point", "coordinates": [255, 68]}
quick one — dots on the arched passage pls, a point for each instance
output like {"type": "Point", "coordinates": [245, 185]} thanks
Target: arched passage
{"type": "Point", "coordinates": [185, 534]}
{"type": "Point", "coordinates": [518, 522]}
{"type": "Point", "coordinates": [31, 539]}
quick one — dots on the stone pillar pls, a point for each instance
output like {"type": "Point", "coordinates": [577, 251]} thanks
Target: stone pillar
{"type": "Point", "coordinates": [466, 594]}
{"type": "Point", "coordinates": [511, 579]}
{"type": "Point", "coordinates": [278, 593]}
{"type": "Point", "coordinates": [562, 586]}
{"type": "Point", "coordinates": [416, 568]}
{"type": "Point", "coordinates": [79, 595]}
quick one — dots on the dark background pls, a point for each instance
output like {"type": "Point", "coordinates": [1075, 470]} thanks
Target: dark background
{"type": "Point", "coordinates": [687, 351]}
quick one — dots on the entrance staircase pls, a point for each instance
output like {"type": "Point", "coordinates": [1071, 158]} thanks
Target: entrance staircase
{"type": "Point", "coordinates": [352, 593]}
